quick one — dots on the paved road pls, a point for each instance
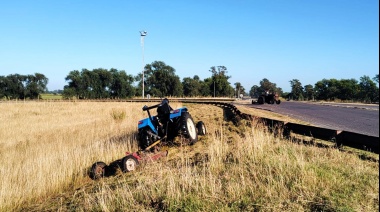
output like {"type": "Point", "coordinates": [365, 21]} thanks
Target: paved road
{"type": "Point", "coordinates": [358, 118]}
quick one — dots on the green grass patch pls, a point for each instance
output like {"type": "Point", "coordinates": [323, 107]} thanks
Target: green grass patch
{"type": "Point", "coordinates": [47, 96]}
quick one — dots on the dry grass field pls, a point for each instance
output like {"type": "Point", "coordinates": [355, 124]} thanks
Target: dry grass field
{"type": "Point", "coordinates": [46, 149]}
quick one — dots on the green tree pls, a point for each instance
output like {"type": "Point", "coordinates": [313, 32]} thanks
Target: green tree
{"type": "Point", "coordinates": [376, 78]}
{"type": "Point", "coordinates": [68, 92]}
{"type": "Point", "coordinates": [191, 86]}
{"type": "Point", "coordinates": [42, 82]}
{"type": "Point", "coordinates": [121, 84]}
{"type": "Point", "coordinates": [348, 89]}
{"type": "Point", "coordinates": [330, 89]}
{"type": "Point", "coordinates": [333, 89]}
{"type": "Point", "coordinates": [321, 89]}
{"type": "Point", "coordinates": [161, 80]}
{"type": "Point", "coordinates": [16, 86]}
{"type": "Point", "coordinates": [309, 92]}
{"type": "Point", "coordinates": [35, 85]}
{"type": "Point", "coordinates": [255, 91]}
{"type": "Point", "coordinates": [297, 89]}
{"type": "Point", "coordinates": [265, 85]}
{"type": "Point", "coordinates": [31, 88]}
{"type": "Point", "coordinates": [88, 84]}
{"type": "Point", "coordinates": [4, 87]}
{"type": "Point", "coordinates": [239, 89]}
{"type": "Point", "coordinates": [220, 84]}
{"type": "Point", "coordinates": [206, 84]}
{"type": "Point", "coordinates": [369, 92]}
{"type": "Point", "coordinates": [76, 85]}
{"type": "Point", "coordinates": [279, 91]}
{"type": "Point", "coordinates": [99, 83]}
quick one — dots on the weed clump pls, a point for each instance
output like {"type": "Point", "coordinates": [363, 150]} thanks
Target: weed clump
{"type": "Point", "coordinates": [118, 115]}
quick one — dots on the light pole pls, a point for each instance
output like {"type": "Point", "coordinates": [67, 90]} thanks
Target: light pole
{"type": "Point", "coordinates": [143, 34]}
{"type": "Point", "coordinates": [214, 88]}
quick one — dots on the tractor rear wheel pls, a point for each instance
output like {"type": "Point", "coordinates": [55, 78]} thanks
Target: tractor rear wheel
{"type": "Point", "coordinates": [188, 128]}
{"type": "Point", "coordinates": [201, 127]}
{"type": "Point", "coordinates": [98, 170]}
{"type": "Point", "coordinates": [129, 163]}
{"type": "Point", "coordinates": [261, 100]}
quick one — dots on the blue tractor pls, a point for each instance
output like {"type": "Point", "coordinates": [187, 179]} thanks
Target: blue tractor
{"type": "Point", "coordinates": [166, 125]}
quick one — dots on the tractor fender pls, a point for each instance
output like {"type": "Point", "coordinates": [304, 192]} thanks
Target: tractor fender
{"type": "Point", "coordinates": [177, 112]}
{"type": "Point", "coordinates": [146, 123]}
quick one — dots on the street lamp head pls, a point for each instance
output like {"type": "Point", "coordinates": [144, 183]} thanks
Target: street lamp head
{"type": "Point", "coordinates": [143, 33]}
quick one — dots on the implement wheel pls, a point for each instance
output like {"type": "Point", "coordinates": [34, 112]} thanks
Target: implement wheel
{"type": "Point", "coordinates": [129, 163]}
{"type": "Point", "coordinates": [98, 170]}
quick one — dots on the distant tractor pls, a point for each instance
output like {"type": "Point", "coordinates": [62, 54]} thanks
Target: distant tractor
{"type": "Point", "coordinates": [267, 98]}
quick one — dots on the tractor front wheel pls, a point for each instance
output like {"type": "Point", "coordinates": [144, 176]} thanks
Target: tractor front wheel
{"type": "Point", "coordinates": [129, 163]}
{"type": "Point", "coordinates": [201, 127]}
{"type": "Point", "coordinates": [144, 138]}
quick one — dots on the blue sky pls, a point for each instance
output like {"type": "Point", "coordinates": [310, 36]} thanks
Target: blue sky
{"type": "Point", "coordinates": [280, 40]}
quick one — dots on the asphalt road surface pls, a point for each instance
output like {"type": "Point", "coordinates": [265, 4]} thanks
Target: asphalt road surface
{"type": "Point", "coordinates": [357, 118]}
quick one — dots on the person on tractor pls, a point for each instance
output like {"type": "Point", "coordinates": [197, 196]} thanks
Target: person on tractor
{"type": "Point", "coordinates": [163, 112]}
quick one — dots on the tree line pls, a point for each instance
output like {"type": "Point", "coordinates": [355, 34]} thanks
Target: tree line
{"type": "Point", "coordinates": [16, 86]}
{"type": "Point", "coordinates": [365, 90]}
{"type": "Point", "coordinates": [160, 80]}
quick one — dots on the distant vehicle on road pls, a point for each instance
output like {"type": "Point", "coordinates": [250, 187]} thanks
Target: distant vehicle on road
{"type": "Point", "coordinates": [268, 98]}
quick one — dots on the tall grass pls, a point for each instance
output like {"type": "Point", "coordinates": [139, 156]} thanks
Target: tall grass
{"type": "Point", "coordinates": [46, 149]}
